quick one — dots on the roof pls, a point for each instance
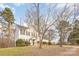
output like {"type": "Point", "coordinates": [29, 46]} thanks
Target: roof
{"type": "Point", "coordinates": [21, 26]}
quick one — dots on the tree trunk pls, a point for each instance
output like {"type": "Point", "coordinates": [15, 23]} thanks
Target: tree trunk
{"type": "Point", "coordinates": [33, 42]}
{"type": "Point", "coordinates": [41, 38]}
{"type": "Point", "coordinates": [49, 41]}
{"type": "Point", "coordinates": [40, 46]}
{"type": "Point", "coordinates": [61, 40]}
{"type": "Point", "coordinates": [9, 34]}
{"type": "Point", "coordinates": [61, 45]}
{"type": "Point", "coordinates": [40, 42]}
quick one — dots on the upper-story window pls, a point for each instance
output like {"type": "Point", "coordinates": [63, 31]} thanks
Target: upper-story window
{"type": "Point", "coordinates": [22, 31]}
{"type": "Point", "coordinates": [33, 34]}
{"type": "Point", "coordinates": [27, 33]}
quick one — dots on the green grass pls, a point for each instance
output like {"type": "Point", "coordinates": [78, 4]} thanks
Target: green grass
{"type": "Point", "coordinates": [15, 51]}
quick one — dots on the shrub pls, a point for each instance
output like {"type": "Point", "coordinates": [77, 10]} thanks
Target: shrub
{"type": "Point", "coordinates": [44, 42]}
{"type": "Point", "coordinates": [49, 43]}
{"type": "Point", "coordinates": [20, 42]}
{"type": "Point", "coordinates": [27, 43]}
{"type": "Point", "coordinates": [37, 41]}
{"type": "Point", "coordinates": [77, 41]}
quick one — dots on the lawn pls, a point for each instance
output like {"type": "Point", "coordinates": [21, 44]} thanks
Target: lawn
{"type": "Point", "coordinates": [23, 51]}
{"type": "Point", "coordinates": [35, 51]}
{"type": "Point", "coordinates": [15, 51]}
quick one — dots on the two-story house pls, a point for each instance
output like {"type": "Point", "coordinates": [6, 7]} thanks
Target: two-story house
{"type": "Point", "coordinates": [25, 32]}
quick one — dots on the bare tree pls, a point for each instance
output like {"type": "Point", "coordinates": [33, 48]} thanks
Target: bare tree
{"type": "Point", "coordinates": [50, 35]}
{"type": "Point", "coordinates": [41, 23]}
{"type": "Point", "coordinates": [63, 24]}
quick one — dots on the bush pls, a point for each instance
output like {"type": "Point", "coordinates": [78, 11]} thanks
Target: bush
{"type": "Point", "coordinates": [27, 43]}
{"type": "Point", "coordinates": [20, 43]}
{"type": "Point", "coordinates": [49, 43]}
{"type": "Point", "coordinates": [37, 41]}
{"type": "Point", "coordinates": [77, 41]}
{"type": "Point", "coordinates": [44, 42]}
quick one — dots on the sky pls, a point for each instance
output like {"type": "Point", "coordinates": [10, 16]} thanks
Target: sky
{"type": "Point", "coordinates": [19, 9]}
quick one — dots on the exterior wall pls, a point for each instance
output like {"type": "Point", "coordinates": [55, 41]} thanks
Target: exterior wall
{"type": "Point", "coordinates": [16, 33]}
{"type": "Point", "coordinates": [25, 36]}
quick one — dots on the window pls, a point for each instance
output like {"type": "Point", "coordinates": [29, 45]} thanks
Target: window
{"type": "Point", "coordinates": [22, 31]}
{"type": "Point", "coordinates": [33, 34]}
{"type": "Point", "coordinates": [27, 33]}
